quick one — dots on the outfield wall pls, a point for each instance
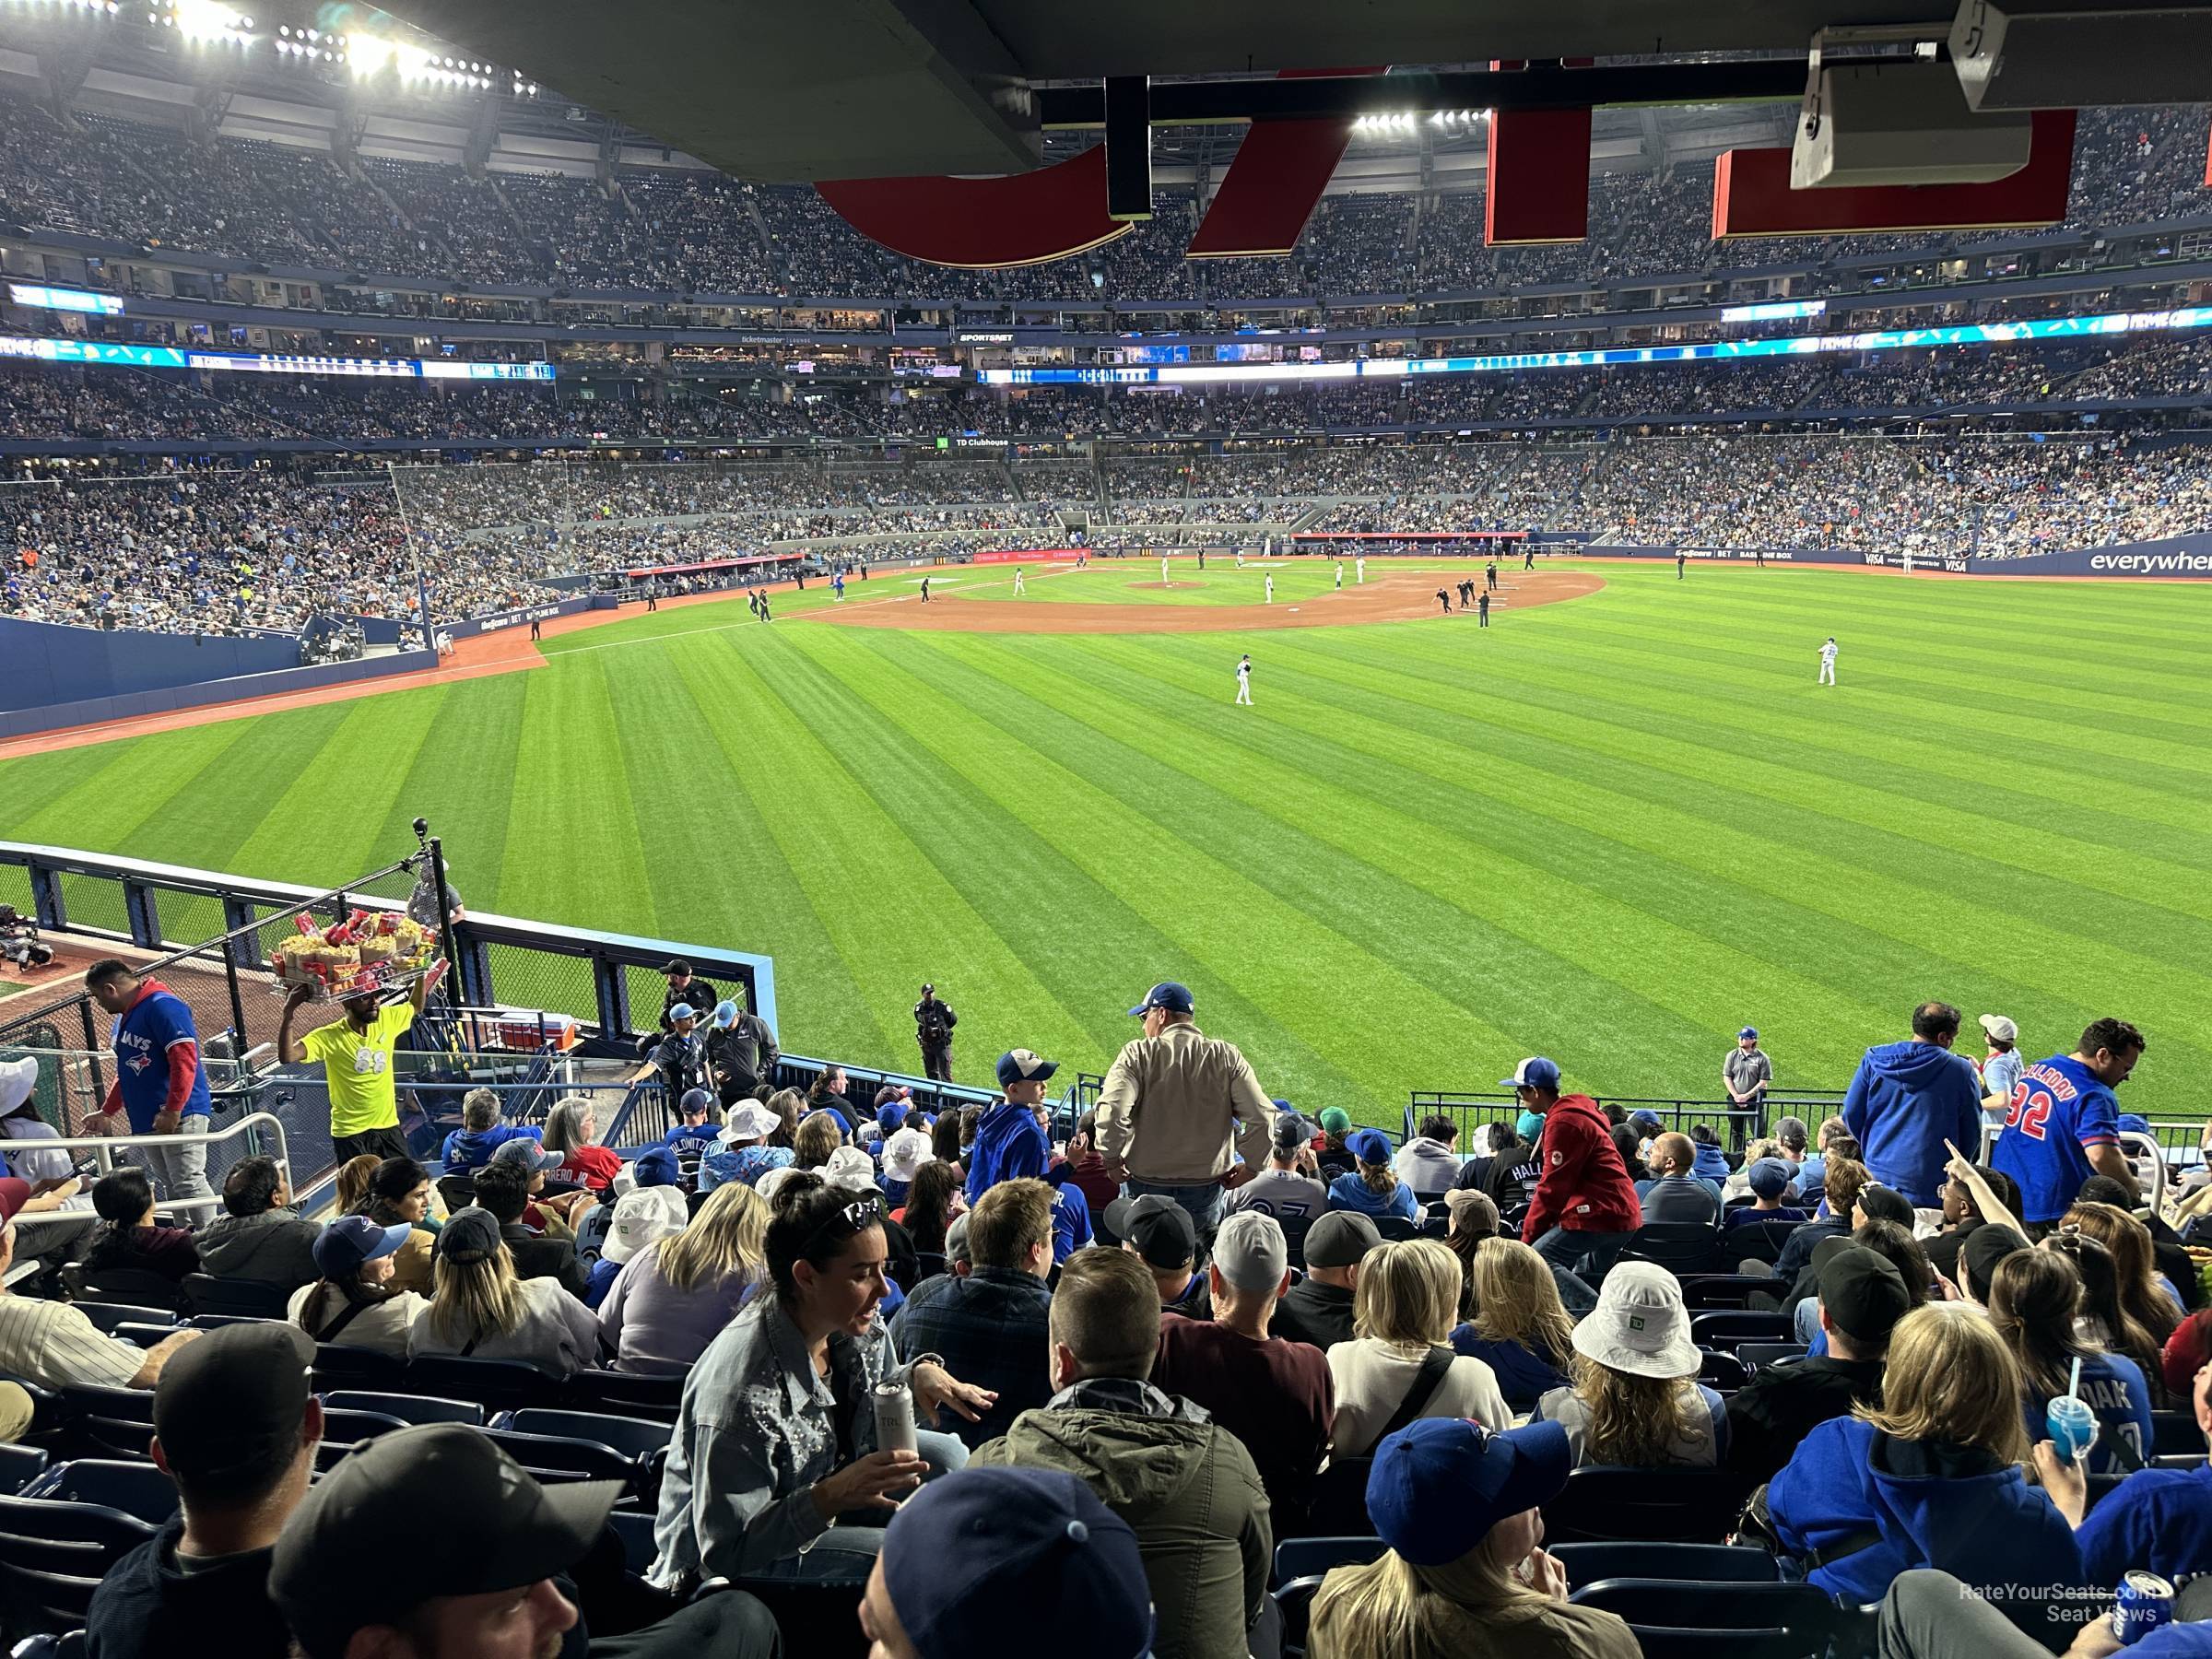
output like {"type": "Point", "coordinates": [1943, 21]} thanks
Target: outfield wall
{"type": "Point", "coordinates": [47, 663]}
{"type": "Point", "coordinates": [54, 717]}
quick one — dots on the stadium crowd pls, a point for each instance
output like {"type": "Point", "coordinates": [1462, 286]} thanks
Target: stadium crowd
{"type": "Point", "coordinates": [1192, 1374]}
{"type": "Point", "coordinates": [218, 550]}
{"type": "Point", "coordinates": [96, 173]}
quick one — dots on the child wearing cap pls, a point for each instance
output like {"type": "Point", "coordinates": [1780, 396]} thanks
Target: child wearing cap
{"type": "Point", "coordinates": [1636, 1401]}
{"type": "Point", "coordinates": [1770, 1180]}
{"type": "Point", "coordinates": [1010, 1141]}
{"type": "Point", "coordinates": [1373, 1187]}
{"type": "Point", "coordinates": [1458, 1505]}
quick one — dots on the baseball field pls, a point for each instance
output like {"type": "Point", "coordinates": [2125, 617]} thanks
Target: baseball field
{"type": "Point", "coordinates": [1611, 827]}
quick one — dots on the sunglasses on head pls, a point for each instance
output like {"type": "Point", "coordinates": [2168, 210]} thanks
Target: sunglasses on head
{"type": "Point", "coordinates": [854, 1218]}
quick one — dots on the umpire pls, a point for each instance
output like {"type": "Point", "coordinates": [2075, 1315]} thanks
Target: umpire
{"type": "Point", "coordinates": [933, 1021]}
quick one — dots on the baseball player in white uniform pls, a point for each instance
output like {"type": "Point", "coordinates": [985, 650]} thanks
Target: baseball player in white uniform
{"type": "Point", "coordinates": [1244, 679]}
{"type": "Point", "coordinates": [1271, 587]}
{"type": "Point", "coordinates": [1340, 575]}
{"type": "Point", "coordinates": [1827, 662]}
{"type": "Point", "coordinates": [1163, 568]}
{"type": "Point", "coordinates": [1021, 587]}
{"type": "Point", "coordinates": [1360, 572]}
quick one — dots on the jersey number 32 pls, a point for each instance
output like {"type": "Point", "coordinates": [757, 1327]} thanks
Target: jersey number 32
{"type": "Point", "coordinates": [2029, 1109]}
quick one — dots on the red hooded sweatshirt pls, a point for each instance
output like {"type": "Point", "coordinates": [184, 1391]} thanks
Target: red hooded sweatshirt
{"type": "Point", "coordinates": [1585, 1186]}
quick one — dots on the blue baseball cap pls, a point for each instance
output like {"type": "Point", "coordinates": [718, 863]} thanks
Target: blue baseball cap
{"type": "Point", "coordinates": [725, 1015]}
{"type": "Point", "coordinates": [657, 1167]}
{"type": "Point", "coordinates": [1529, 1126]}
{"type": "Point", "coordinates": [1168, 995]}
{"type": "Point", "coordinates": [1751, 1031]}
{"type": "Point", "coordinates": [1370, 1147]}
{"type": "Point", "coordinates": [1535, 1072]}
{"type": "Point", "coordinates": [890, 1115]}
{"type": "Point", "coordinates": [1022, 1065]}
{"type": "Point", "coordinates": [1440, 1485]}
{"type": "Point", "coordinates": [980, 1552]}
{"type": "Point", "coordinates": [682, 1011]}
{"type": "Point", "coordinates": [1647, 1119]}
{"type": "Point", "coordinates": [346, 1244]}
{"type": "Point", "coordinates": [1770, 1177]}
{"type": "Point", "coordinates": [695, 1100]}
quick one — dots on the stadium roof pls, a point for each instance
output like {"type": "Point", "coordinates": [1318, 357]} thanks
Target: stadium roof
{"type": "Point", "coordinates": [860, 88]}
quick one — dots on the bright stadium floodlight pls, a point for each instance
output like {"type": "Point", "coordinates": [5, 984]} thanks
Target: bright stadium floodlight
{"type": "Point", "coordinates": [205, 20]}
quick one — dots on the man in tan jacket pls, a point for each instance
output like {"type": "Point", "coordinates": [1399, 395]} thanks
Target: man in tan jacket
{"type": "Point", "coordinates": [1173, 1102]}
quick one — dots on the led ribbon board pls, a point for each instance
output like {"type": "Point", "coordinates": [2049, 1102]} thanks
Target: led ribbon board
{"type": "Point", "coordinates": [1883, 339]}
{"type": "Point", "coordinates": [99, 352]}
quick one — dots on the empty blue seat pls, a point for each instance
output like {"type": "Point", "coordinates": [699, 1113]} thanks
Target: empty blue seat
{"type": "Point", "coordinates": [501, 1384]}
{"type": "Point", "coordinates": [137, 1490]}
{"type": "Point", "coordinates": [1685, 1505]}
{"type": "Point", "coordinates": [1763, 1620]}
{"type": "Point", "coordinates": [624, 1392]}
{"type": "Point", "coordinates": [19, 1465]}
{"type": "Point", "coordinates": [630, 1437]}
{"type": "Point", "coordinates": [204, 1293]}
{"type": "Point", "coordinates": [557, 1457]}
{"type": "Point", "coordinates": [106, 1316]}
{"type": "Point", "coordinates": [635, 1530]}
{"type": "Point", "coordinates": [1759, 1356]}
{"type": "Point", "coordinates": [1587, 1563]}
{"type": "Point", "coordinates": [408, 1408]}
{"type": "Point", "coordinates": [337, 1366]}
{"type": "Point", "coordinates": [1727, 1327]}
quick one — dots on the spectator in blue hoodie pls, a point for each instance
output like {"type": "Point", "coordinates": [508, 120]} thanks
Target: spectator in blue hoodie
{"type": "Point", "coordinates": [745, 1152]}
{"type": "Point", "coordinates": [1010, 1142]}
{"type": "Point", "coordinates": [1713, 1163]}
{"type": "Point", "coordinates": [1372, 1188]}
{"type": "Point", "coordinates": [470, 1147]}
{"type": "Point", "coordinates": [1907, 1097]}
{"type": "Point", "coordinates": [1932, 1478]}
{"type": "Point", "coordinates": [697, 1131]}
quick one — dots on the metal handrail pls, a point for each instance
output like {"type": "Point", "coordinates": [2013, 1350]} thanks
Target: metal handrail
{"type": "Point", "coordinates": [103, 1146]}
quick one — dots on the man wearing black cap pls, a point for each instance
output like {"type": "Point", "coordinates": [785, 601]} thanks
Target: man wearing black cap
{"type": "Point", "coordinates": [934, 1021]}
{"type": "Point", "coordinates": [686, 990]}
{"type": "Point", "coordinates": [235, 1427]}
{"type": "Point", "coordinates": [1318, 1309]}
{"type": "Point", "coordinates": [1862, 1298]}
{"type": "Point", "coordinates": [1157, 1230]}
{"type": "Point", "coordinates": [357, 1579]}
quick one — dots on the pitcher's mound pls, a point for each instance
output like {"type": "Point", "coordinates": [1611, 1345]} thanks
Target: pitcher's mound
{"type": "Point", "coordinates": [1163, 587]}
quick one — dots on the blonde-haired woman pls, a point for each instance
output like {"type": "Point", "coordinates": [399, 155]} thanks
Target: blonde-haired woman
{"type": "Point", "coordinates": [819, 1133]}
{"type": "Point", "coordinates": [1636, 1401]}
{"type": "Point", "coordinates": [573, 1130]}
{"type": "Point", "coordinates": [1518, 1326]}
{"type": "Point", "coordinates": [671, 1300]}
{"type": "Point", "coordinates": [1399, 1365]}
{"type": "Point", "coordinates": [1932, 1477]}
{"type": "Point", "coordinates": [1464, 1575]}
{"type": "Point", "coordinates": [479, 1309]}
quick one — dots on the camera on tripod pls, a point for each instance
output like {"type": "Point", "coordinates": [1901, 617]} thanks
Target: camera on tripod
{"type": "Point", "coordinates": [19, 946]}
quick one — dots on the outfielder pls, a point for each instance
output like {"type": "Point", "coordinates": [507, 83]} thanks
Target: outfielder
{"type": "Point", "coordinates": [1244, 679]}
{"type": "Point", "coordinates": [1827, 662]}
{"type": "Point", "coordinates": [1340, 575]}
{"type": "Point", "coordinates": [1271, 587]}
{"type": "Point", "coordinates": [1360, 572]}
{"type": "Point", "coordinates": [1021, 587]}
{"type": "Point", "coordinates": [1163, 570]}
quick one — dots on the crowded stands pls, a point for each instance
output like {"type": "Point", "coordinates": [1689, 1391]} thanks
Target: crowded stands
{"type": "Point", "coordinates": [812, 1364]}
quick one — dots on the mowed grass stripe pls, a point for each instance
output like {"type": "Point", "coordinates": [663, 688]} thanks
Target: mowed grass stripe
{"type": "Point", "coordinates": [122, 789]}
{"type": "Point", "coordinates": [347, 788]}
{"type": "Point", "coordinates": [749, 896]}
{"type": "Point", "coordinates": [1888, 875]}
{"type": "Point", "coordinates": [1788, 867]}
{"type": "Point", "coordinates": [473, 745]}
{"type": "Point", "coordinates": [1751, 771]}
{"type": "Point", "coordinates": [1243, 949]}
{"type": "Point", "coordinates": [571, 852]}
{"type": "Point", "coordinates": [1370, 846]}
{"type": "Point", "coordinates": [839, 840]}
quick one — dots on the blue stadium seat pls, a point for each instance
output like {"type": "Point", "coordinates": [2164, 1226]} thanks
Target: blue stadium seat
{"type": "Point", "coordinates": [52, 1555]}
{"type": "Point", "coordinates": [337, 1366]}
{"type": "Point", "coordinates": [1760, 1620]}
{"type": "Point", "coordinates": [145, 1336]}
{"type": "Point", "coordinates": [1294, 1602]}
{"type": "Point", "coordinates": [635, 1530]}
{"type": "Point", "coordinates": [635, 1437]}
{"type": "Point", "coordinates": [2175, 1435]}
{"type": "Point", "coordinates": [1702, 1290]}
{"type": "Point", "coordinates": [408, 1408]}
{"type": "Point", "coordinates": [1396, 1230]}
{"type": "Point", "coordinates": [19, 1465]}
{"type": "Point", "coordinates": [106, 1316]}
{"type": "Point", "coordinates": [1722, 1370]}
{"type": "Point", "coordinates": [1670, 1505]}
{"type": "Point", "coordinates": [1310, 1558]}
{"type": "Point", "coordinates": [137, 1490]}
{"type": "Point", "coordinates": [1759, 1356]}
{"type": "Point", "coordinates": [1758, 1241]}
{"type": "Point", "coordinates": [215, 1321]}
{"type": "Point", "coordinates": [624, 1393]}
{"type": "Point", "coordinates": [1724, 1329]}
{"type": "Point", "coordinates": [136, 1287]}
{"type": "Point", "coordinates": [554, 1457]}
{"type": "Point", "coordinates": [1680, 1247]}
{"type": "Point", "coordinates": [88, 1399]}
{"type": "Point", "coordinates": [1683, 1563]}
{"type": "Point", "coordinates": [345, 1426]}
{"type": "Point", "coordinates": [500, 1384]}
{"type": "Point", "coordinates": [204, 1293]}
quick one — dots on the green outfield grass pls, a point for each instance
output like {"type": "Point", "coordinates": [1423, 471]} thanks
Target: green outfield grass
{"type": "Point", "coordinates": [1610, 831]}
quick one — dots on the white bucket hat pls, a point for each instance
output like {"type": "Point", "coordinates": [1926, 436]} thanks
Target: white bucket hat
{"type": "Point", "coordinates": [772, 1179]}
{"type": "Point", "coordinates": [1639, 1325]}
{"type": "Point", "coordinates": [643, 1218]}
{"type": "Point", "coordinates": [905, 1153]}
{"type": "Point", "coordinates": [17, 1078]}
{"type": "Point", "coordinates": [750, 1122]}
{"type": "Point", "coordinates": [851, 1167]}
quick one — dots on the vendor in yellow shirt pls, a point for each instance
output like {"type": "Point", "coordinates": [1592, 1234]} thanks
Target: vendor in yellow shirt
{"type": "Point", "coordinates": [355, 1056]}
